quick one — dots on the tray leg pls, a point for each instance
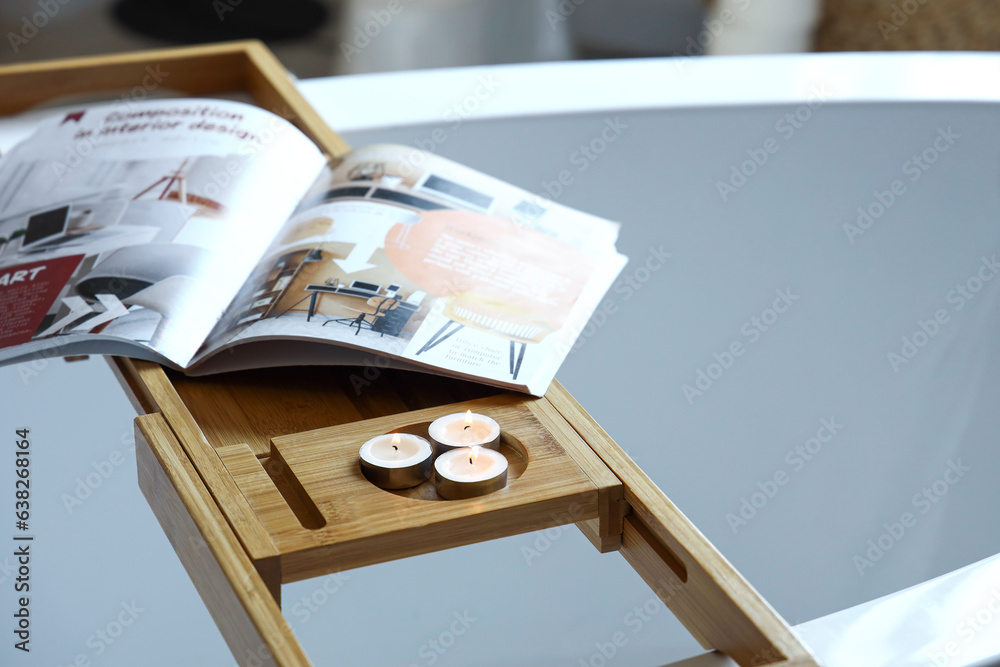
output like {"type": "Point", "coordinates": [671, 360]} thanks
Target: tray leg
{"type": "Point", "coordinates": [269, 570]}
{"type": "Point", "coordinates": [239, 600]}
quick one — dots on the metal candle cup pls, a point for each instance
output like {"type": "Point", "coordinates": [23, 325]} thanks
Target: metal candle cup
{"type": "Point", "coordinates": [396, 460]}
{"type": "Point", "coordinates": [464, 430]}
{"type": "Point", "coordinates": [468, 472]}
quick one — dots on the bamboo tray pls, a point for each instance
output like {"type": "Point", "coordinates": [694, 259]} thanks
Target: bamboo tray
{"type": "Point", "coordinates": [253, 475]}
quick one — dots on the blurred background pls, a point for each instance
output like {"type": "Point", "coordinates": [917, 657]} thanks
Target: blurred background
{"type": "Point", "coordinates": [324, 37]}
{"type": "Point", "coordinates": [316, 38]}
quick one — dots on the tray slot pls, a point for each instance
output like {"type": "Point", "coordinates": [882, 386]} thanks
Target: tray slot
{"type": "Point", "coordinates": [271, 489]}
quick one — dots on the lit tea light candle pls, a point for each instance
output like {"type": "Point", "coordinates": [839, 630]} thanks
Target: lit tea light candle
{"type": "Point", "coordinates": [464, 430]}
{"type": "Point", "coordinates": [468, 472]}
{"type": "Point", "coordinates": [396, 460]}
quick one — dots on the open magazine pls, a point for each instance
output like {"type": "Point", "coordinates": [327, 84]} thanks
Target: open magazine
{"type": "Point", "coordinates": [211, 236]}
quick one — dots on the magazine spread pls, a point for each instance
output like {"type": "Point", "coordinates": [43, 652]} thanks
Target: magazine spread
{"type": "Point", "coordinates": [213, 236]}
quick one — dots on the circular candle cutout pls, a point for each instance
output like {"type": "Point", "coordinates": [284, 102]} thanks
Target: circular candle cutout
{"type": "Point", "coordinates": [468, 472]}
{"type": "Point", "coordinates": [396, 460]}
{"type": "Point", "coordinates": [466, 429]}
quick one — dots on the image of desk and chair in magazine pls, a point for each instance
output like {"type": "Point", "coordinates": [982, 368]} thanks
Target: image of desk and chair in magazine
{"type": "Point", "coordinates": [382, 311]}
{"type": "Point", "coordinates": [302, 284]}
{"type": "Point", "coordinates": [379, 310]}
{"type": "Point", "coordinates": [307, 284]}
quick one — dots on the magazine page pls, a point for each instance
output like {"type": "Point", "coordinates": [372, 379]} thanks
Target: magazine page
{"type": "Point", "coordinates": [413, 257]}
{"type": "Point", "coordinates": [138, 222]}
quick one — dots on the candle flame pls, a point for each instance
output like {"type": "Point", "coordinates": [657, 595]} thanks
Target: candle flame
{"type": "Point", "coordinates": [468, 420]}
{"type": "Point", "coordinates": [395, 442]}
{"type": "Point", "coordinates": [473, 455]}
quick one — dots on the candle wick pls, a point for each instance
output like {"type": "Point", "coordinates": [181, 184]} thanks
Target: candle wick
{"type": "Point", "coordinates": [467, 427]}
{"type": "Point", "coordinates": [395, 448]}
{"type": "Point", "coordinates": [470, 461]}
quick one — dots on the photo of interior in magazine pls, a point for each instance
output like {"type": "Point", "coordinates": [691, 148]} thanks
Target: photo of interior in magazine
{"type": "Point", "coordinates": [131, 234]}
{"type": "Point", "coordinates": [426, 262]}
{"type": "Point", "coordinates": [119, 220]}
{"type": "Point", "coordinates": [214, 236]}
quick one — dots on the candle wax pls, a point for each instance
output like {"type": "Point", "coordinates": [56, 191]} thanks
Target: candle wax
{"type": "Point", "coordinates": [476, 432]}
{"type": "Point", "coordinates": [383, 449]}
{"type": "Point", "coordinates": [464, 430]}
{"type": "Point", "coordinates": [384, 452]}
{"type": "Point", "coordinates": [486, 465]}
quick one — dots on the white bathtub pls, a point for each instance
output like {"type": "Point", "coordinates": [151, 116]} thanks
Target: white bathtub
{"type": "Point", "coordinates": [830, 460]}
{"type": "Point", "coordinates": [670, 131]}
